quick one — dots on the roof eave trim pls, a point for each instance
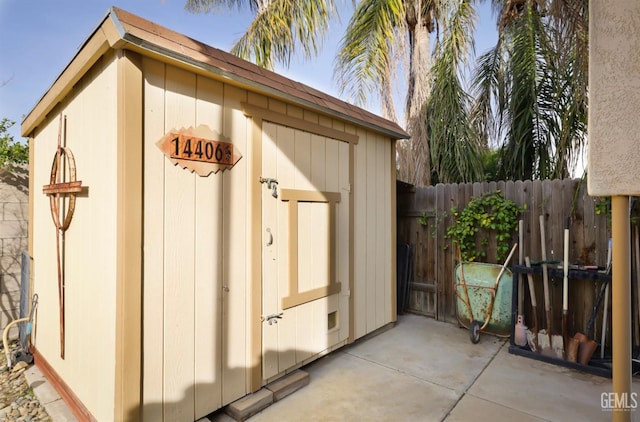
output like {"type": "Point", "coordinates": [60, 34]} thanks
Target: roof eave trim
{"type": "Point", "coordinates": [111, 34]}
{"type": "Point", "coordinates": [93, 48]}
{"type": "Point", "coordinates": [186, 59]}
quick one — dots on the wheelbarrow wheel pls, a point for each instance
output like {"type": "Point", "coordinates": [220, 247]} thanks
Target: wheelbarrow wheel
{"type": "Point", "coordinates": [474, 332]}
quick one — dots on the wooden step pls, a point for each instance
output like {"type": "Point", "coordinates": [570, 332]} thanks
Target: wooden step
{"type": "Point", "coordinates": [248, 406]}
{"type": "Point", "coordinates": [244, 408]}
{"type": "Point", "coordinates": [288, 384]}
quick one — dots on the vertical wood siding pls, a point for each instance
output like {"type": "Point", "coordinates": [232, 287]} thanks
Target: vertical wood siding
{"type": "Point", "coordinates": [372, 249]}
{"type": "Point", "coordinates": [195, 331]}
{"type": "Point", "coordinates": [197, 292]}
{"type": "Point", "coordinates": [90, 242]}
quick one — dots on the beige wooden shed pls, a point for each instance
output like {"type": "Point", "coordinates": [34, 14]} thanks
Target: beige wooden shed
{"type": "Point", "coordinates": [206, 226]}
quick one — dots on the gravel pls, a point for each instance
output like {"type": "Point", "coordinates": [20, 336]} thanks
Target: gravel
{"type": "Point", "coordinates": [17, 401]}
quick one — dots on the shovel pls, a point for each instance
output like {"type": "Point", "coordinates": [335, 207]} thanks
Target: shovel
{"type": "Point", "coordinates": [549, 345]}
{"type": "Point", "coordinates": [587, 345]}
{"type": "Point", "coordinates": [520, 334]}
{"type": "Point", "coordinates": [565, 284]}
{"type": "Point", "coordinates": [532, 334]}
{"type": "Point", "coordinates": [544, 342]}
{"type": "Point", "coordinates": [603, 339]}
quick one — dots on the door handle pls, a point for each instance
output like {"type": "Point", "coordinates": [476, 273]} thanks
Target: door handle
{"type": "Point", "coordinates": [270, 241]}
{"type": "Point", "coordinates": [273, 318]}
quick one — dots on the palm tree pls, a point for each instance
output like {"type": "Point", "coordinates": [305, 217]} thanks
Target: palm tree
{"type": "Point", "coordinates": [456, 150]}
{"type": "Point", "coordinates": [529, 93]}
{"type": "Point", "coordinates": [374, 43]}
{"type": "Point", "coordinates": [381, 37]}
{"type": "Point", "coordinates": [531, 89]}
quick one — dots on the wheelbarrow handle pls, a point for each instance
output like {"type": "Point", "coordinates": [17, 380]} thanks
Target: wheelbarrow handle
{"type": "Point", "coordinates": [495, 287]}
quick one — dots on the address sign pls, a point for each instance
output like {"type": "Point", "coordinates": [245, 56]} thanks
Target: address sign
{"type": "Point", "coordinates": [199, 149]}
{"type": "Point", "coordinates": [192, 150]}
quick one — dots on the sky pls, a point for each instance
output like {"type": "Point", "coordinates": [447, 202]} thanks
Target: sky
{"type": "Point", "coordinates": [38, 38]}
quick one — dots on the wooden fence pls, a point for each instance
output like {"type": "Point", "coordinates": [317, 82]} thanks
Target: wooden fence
{"type": "Point", "coordinates": [431, 284]}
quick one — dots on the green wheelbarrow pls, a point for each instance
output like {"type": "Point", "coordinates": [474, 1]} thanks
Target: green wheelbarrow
{"type": "Point", "coordinates": [484, 295]}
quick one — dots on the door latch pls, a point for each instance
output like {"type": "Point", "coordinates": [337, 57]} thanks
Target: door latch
{"type": "Point", "coordinates": [271, 184]}
{"type": "Point", "coordinates": [273, 318]}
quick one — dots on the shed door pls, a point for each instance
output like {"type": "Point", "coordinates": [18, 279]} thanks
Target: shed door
{"type": "Point", "coordinates": [305, 252]}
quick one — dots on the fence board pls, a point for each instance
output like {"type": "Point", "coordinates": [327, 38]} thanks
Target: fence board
{"type": "Point", "coordinates": [575, 288]}
{"type": "Point", "coordinates": [555, 211]}
{"type": "Point", "coordinates": [583, 300]}
{"type": "Point", "coordinates": [451, 200]}
{"type": "Point", "coordinates": [588, 253]}
{"type": "Point", "coordinates": [635, 328]}
{"type": "Point", "coordinates": [440, 253]}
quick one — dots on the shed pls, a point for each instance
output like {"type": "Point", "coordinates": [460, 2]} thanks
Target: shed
{"type": "Point", "coordinates": [199, 226]}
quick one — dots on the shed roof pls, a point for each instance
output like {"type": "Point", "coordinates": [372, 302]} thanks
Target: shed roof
{"type": "Point", "coordinates": [121, 29]}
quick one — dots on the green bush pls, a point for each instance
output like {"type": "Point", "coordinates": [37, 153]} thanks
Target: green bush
{"type": "Point", "coordinates": [11, 152]}
{"type": "Point", "coordinates": [494, 214]}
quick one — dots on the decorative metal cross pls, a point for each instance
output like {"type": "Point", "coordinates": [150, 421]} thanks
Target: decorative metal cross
{"type": "Point", "coordinates": [58, 190]}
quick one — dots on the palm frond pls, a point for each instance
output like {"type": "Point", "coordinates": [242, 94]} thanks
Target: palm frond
{"type": "Point", "coordinates": [212, 6]}
{"type": "Point", "coordinates": [364, 55]}
{"type": "Point", "coordinates": [282, 28]}
{"type": "Point", "coordinates": [454, 142]}
{"type": "Point", "coordinates": [532, 89]}
{"type": "Point", "coordinates": [488, 89]}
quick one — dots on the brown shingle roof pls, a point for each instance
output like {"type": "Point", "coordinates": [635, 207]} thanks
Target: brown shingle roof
{"type": "Point", "coordinates": [150, 36]}
{"type": "Point", "coordinates": [121, 29]}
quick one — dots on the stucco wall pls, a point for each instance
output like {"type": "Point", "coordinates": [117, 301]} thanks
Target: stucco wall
{"type": "Point", "coordinates": [614, 98]}
{"type": "Point", "coordinates": [14, 216]}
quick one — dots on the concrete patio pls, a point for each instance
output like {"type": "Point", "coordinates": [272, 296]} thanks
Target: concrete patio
{"type": "Point", "coordinates": [425, 370]}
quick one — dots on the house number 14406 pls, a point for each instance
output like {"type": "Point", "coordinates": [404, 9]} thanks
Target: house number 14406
{"type": "Point", "coordinates": [197, 149]}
